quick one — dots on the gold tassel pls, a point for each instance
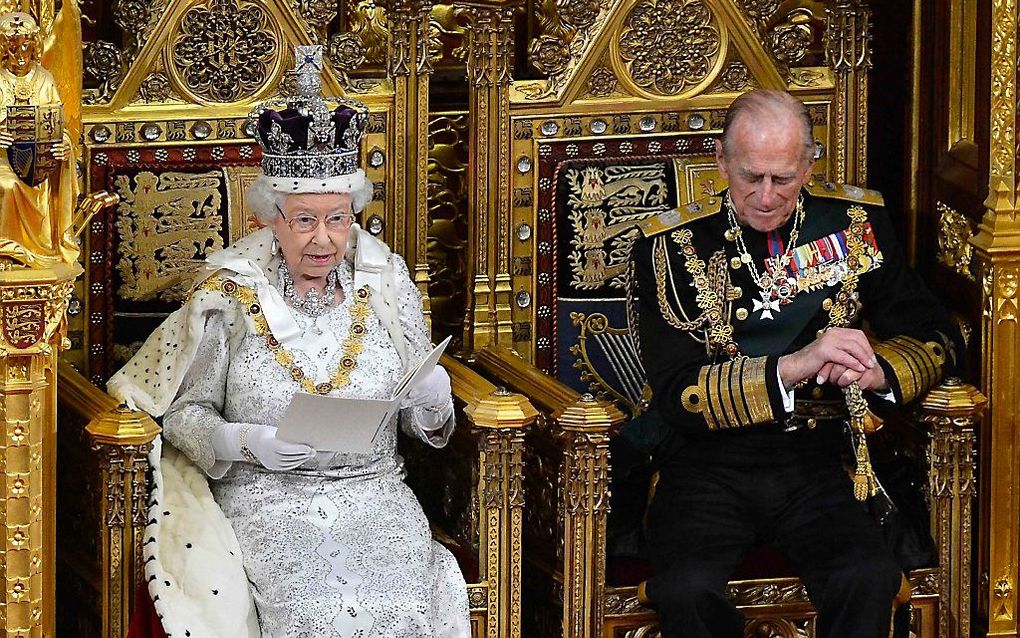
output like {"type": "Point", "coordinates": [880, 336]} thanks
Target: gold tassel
{"type": "Point", "coordinates": [865, 483]}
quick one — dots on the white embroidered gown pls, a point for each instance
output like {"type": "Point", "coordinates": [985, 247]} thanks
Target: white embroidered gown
{"type": "Point", "coordinates": [340, 547]}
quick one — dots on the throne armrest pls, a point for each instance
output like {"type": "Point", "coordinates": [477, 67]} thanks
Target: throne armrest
{"type": "Point", "coordinates": [498, 420]}
{"type": "Point", "coordinates": [122, 439]}
{"type": "Point", "coordinates": [577, 437]}
{"type": "Point", "coordinates": [952, 413]}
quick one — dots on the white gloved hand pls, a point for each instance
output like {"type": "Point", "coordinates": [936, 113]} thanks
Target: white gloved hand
{"type": "Point", "coordinates": [431, 392]}
{"type": "Point", "coordinates": [275, 454]}
{"type": "Point", "coordinates": [269, 451]}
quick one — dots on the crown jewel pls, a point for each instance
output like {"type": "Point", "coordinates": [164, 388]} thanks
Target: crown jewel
{"type": "Point", "coordinates": [306, 135]}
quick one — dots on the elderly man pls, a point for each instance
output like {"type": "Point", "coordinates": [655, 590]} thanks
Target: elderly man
{"type": "Point", "coordinates": [754, 300]}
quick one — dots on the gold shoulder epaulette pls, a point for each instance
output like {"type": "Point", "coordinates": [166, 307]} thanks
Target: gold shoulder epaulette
{"type": "Point", "coordinates": [681, 215]}
{"type": "Point", "coordinates": [847, 192]}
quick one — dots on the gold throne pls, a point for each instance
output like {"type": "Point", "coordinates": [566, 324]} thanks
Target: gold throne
{"type": "Point", "coordinates": [173, 145]}
{"type": "Point", "coordinates": [616, 127]}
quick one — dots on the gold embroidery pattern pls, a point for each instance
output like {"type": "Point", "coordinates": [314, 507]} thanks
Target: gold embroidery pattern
{"type": "Point", "coordinates": [693, 398]}
{"type": "Point", "coordinates": [731, 394]}
{"type": "Point", "coordinates": [167, 224]}
{"type": "Point", "coordinates": [711, 284]}
{"type": "Point", "coordinates": [605, 205]}
{"type": "Point", "coordinates": [661, 264]}
{"type": "Point", "coordinates": [352, 345]}
{"type": "Point", "coordinates": [752, 380]}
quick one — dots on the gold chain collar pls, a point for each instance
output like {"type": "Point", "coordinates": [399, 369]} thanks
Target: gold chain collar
{"type": "Point", "coordinates": [352, 345]}
{"type": "Point", "coordinates": [771, 281]}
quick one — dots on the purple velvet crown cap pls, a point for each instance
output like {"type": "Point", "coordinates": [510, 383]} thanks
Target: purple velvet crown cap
{"type": "Point", "coordinates": [295, 123]}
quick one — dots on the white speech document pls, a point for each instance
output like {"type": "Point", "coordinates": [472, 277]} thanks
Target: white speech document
{"type": "Point", "coordinates": [340, 424]}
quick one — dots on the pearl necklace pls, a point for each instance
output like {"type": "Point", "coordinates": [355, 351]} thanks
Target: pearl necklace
{"type": "Point", "coordinates": [312, 304]}
{"type": "Point", "coordinates": [775, 285]}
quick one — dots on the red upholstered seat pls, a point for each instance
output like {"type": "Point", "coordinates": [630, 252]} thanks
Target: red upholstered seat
{"type": "Point", "coordinates": [144, 622]}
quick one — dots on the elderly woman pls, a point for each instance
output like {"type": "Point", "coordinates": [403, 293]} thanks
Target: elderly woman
{"type": "Point", "coordinates": [332, 543]}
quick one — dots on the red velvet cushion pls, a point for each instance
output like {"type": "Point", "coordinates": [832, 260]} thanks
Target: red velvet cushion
{"type": "Point", "coordinates": [466, 559]}
{"type": "Point", "coordinates": [144, 621]}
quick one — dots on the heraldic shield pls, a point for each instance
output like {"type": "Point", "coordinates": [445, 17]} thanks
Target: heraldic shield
{"type": "Point", "coordinates": [35, 128]}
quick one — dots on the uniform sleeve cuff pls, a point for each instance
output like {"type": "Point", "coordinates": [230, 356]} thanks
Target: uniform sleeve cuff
{"type": "Point", "coordinates": [885, 395]}
{"type": "Point", "coordinates": [910, 366]}
{"type": "Point", "coordinates": [735, 394]}
{"type": "Point", "coordinates": [785, 395]}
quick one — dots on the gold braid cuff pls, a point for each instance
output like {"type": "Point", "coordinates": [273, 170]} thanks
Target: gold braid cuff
{"type": "Point", "coordinates": [732, 394]}
{"type": "Point", "coordinates": [916, 365]}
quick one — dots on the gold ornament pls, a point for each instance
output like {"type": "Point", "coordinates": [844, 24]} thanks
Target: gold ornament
{"type": "Point", "coordinates": [38, 184]}
{"type": "Point", "coordinates": [352, 345]}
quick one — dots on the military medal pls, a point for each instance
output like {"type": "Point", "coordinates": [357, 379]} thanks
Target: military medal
{"type": "Point", "coordinates": [777, 287]}
{"type": "Point", "coordinates": [766, 306]}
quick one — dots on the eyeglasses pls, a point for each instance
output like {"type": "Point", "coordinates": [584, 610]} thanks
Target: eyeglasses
{"type": "Point", "coordinates": [304, 223]}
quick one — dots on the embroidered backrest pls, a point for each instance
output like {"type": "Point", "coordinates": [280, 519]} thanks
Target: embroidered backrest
{"type": "Point", "coordinates": [595, 203]}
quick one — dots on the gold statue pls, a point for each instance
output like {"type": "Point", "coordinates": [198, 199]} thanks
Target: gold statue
{"type": "Point", "coordinates": [38, 184]}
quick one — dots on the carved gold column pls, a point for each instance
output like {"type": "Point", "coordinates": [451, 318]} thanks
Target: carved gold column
{"type": "Point", "coordinates": [122, 438]}
{"type": "Point", "coordinates": [32, 306]}
{"type": "Point", "coordinates": [998, 249]}
{"type": "Point", "coordinates": [410, 68]}
{"type": "Point", "coordinates": [502, 416]}
{"type": "Point", "coordinates": [490, 67]}
{"type": "Point", "coordinates": [848, 53]}
{"type": "Point", "coordinates": [586, 423]}
{"type": "Point", "coordinates": [952, 412]}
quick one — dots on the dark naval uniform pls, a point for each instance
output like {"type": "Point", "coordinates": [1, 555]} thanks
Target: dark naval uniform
{"type": "Point", "coordinates": [741, 470]}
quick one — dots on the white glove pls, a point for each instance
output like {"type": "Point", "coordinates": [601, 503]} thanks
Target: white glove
{"type": "Point", "coordinates": [231, 439]}
{"type": "Point", "coordinates": [431, 392]}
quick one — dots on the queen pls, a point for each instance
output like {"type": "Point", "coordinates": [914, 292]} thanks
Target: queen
{"type": "Point", "coordinates": [35, 208]}
{"type": "Point", "coordinates": [331, 543]}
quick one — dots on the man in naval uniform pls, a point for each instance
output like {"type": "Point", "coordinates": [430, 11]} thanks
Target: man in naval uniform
{"type": "Point", "coordinates": [751, 308]}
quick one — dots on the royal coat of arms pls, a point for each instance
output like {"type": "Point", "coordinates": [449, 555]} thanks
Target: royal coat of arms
{"type": "Point", "coordinates": [35, 129]}
{"type": "Point", "coordinates": [604, 205]}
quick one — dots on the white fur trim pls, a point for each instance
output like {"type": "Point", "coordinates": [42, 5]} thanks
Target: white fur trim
{"type": "Point", "coordinates": [338, 184]}
{"type": "Point", "coordinates": [265, 194]}
{"type": "Point", "coordinates": [192, 559]}
{"type": "Point", "coordinates": [373, 267]}
{"type": "Point", "coordinates": [175, 342]}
